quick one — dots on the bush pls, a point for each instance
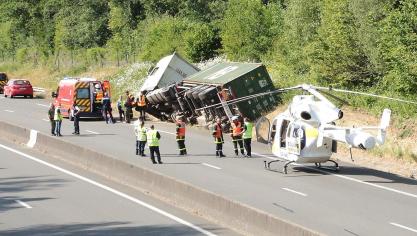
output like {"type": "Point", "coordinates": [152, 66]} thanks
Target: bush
{"type": "Point", "coordinates": [201, 42]}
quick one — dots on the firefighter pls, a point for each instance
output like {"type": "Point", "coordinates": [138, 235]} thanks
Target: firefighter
{"type": "Point", "coordinates": [140, 131]}
{"type": "Point", "coordinates": [247, 136]}
{"type": "Point", "coordinates": [120, 109]}
{"type": "Point", "coordinates": [218, 137]}
{"type": "Point", "coordinates": [236, 133]}
{"type": "Point", "coordinates": [141, 105]}
{"type": "Point", "coordinates": [106, 109]}
{"type": "Point", "coordinates": [153, 138]}
{"type": "Point", "coordinates": [129, 105]}
{"type": "Point", "coordinates": [76, 115]}
{"type": "Point", "coordinates": [180, 132]}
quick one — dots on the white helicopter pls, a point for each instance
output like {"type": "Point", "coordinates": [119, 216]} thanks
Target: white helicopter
{"type": "Point", "coordinates": [306, 131]}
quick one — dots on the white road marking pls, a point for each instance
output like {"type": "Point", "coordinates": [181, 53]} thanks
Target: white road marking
{"type": "Point", "coordinates": [23, 204]}
{"type": "Point", "coordinates": [45, 120]}
{"type": "Point", "coordinates": [42, 105]}
{"type": "Point", "coordinates": [9, 111]}
{"type": "Point", "coordinates": [102, 186]}
{"type": "Point", "coordinates": [32, 138]}
{"type": "Point", "coordinates": [215, 167]}
{"type": "Point", "coordinates": [293, 191]}
{"type": "Point", "coordinates": [404, 227]}
{"type": "Point", "coordinates": [89, 131]}
{"type": "Point", "coordinates": [165, 132]}
{"type": "Point", "coordinates": [347, 178]}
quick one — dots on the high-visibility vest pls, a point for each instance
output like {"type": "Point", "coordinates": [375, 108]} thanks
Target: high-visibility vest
{"type": "Point", "coordinates": [57, 114]}
{"type": "Point", "coordinates": [153, 141]}
{"type": "Point", "coordinates": [236, 128]}
{"type": "Point", "coordinates": [217, 133]}
{"type": "Point", "coordinates": [141, 133]}
{"type": "Point", "coordinates": [142, 101]}
{"type": "Point", "coordinates": [181, 129]}
{"type": "Point", "coordinates": [248, 132]}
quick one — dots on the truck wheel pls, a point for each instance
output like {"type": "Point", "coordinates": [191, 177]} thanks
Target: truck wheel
{"type": "Point", "coordinates": [31, 96]}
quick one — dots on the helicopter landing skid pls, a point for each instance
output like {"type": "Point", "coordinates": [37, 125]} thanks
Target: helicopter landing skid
{"type": "Point", "coordinates": [336, 166]}
{"type": "Point", "coordinates": [268, 165]}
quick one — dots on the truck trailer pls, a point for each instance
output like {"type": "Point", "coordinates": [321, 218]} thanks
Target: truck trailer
{"type": "Point", "coordinates": [204, 95]}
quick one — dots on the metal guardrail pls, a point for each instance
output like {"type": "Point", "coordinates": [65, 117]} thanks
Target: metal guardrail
{"type": "Point", "coordinates": [39, 90]}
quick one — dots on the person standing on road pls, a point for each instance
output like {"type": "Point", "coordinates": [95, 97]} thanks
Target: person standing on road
{"type": "Point", "coordinates": [141, 106]}
{"type": "Point", "coordinates": [120, 109]}
{"type": "Point", "coordinates": [237, 129]}
{"type": "Point", "coordinates": [75, 110]}
{"type": "Point", "coordinates": [58, 120]}
{"type": "Point", "coordinates": [247, 136]}
{"type": "Point", "coordinates": [218, 137]}
{"type": "Point", "coordinates": [141, 138]}
{"type": "Point", "coordinates": [153, 138]}
{"type": "Point", "coordinates": [180, 132]}
{"type": "Point", "coordinates": [107, 111]}
{"type": "Point", "coordinates": [129, 105]}
{"type": "Point", "coordinates": [51, 113]}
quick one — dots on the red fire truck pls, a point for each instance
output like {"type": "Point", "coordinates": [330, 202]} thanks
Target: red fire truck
{"type": "Point", "coordinates": [86, 92]}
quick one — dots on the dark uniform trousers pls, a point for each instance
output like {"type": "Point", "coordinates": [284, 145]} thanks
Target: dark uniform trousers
{"type": "Point", "coordinates": [181, 145]}
{"type": "Point", "coordinates": [153, 150]}
{"type": "Point", "coordinates": [219, 146]}
{"type": "Point", "coordinates": [140, 147]}
{"type": "Point", "coordinates": [238, 140]}
{"type": "Point", "coordinates": [247, 143]}
{"type": "Point", "coordinates": [76, 124]}
{"type": "Point", "coordinates": [52, 126]}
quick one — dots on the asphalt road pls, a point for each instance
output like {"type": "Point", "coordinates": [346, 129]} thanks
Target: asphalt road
{"type": "Point", "coordinates": [39, 199]}
{"type": "Point", "coordinates": [355, 201]}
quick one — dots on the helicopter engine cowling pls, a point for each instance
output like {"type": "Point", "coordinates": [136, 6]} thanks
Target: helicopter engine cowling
{"type": "Point", "coordinates": [306, 108]}
{"type": "Point", "coordinates": [361, 140]}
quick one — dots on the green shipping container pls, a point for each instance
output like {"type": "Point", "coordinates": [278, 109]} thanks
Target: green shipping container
{"type": "Point", "coordinates": [241, 79]}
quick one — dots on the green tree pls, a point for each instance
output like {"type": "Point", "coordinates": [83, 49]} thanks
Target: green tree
{"type": "Point", "coordinates": [336, 56]}
{"type": "Point", "coordinates": [202, 42]}
{"type": "Point", "coordinates": [398, 46]}
{"type": "Point", "coordinates": [247, 30]}
{"type": "Point", "coordinates": [162, 36]}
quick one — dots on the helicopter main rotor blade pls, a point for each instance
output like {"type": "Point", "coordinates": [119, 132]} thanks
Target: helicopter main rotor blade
{"type": "Point", "coordinates": [335, 97]}
{"type": "Point", "coordinates": [365, 94]}
{"type": "Point", "coordinates": [245, 98]}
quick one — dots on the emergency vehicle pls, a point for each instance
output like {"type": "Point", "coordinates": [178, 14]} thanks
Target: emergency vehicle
{"type": "Point", "coordinates": [86, 92]}
{"type": "Point", "coordinates": [3, 81]}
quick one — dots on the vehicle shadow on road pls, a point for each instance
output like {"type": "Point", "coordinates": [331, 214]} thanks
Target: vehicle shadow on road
{"type": "Point", "coordinates": [9, 202]}
{"type": "Point", "coordinates": [87, 135]}
{"type": "Point", "coordinates": [105, 228]}
{"type": "Point", "coordinates": [388, 177]}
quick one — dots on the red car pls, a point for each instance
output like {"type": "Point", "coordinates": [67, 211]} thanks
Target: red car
{"type": "Point", "coordinates": [18, 87]}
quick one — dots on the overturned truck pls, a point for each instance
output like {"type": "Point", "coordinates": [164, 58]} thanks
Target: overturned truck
{"type": "Point", "coordinates": [202, 96]}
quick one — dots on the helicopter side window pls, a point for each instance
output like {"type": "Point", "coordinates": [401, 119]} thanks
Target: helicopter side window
{"type": "Point", "coordinates": [283, 132]}
{"type": "Point", "coordinates": [299, 132]}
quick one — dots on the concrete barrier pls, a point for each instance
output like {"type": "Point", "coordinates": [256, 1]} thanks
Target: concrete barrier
{"type": "Point", "coordinates": [229, 213]}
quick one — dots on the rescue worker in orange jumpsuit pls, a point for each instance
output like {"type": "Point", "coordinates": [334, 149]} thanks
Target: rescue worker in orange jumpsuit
{"type": "Point", "coordinates": [218, 137]}
{"type": "Point", "coordinates": [237, 130]}
{"type": "Point", "coordinates": [141, 106]}
{"type": "Point", "coordinates": [180, 132]}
